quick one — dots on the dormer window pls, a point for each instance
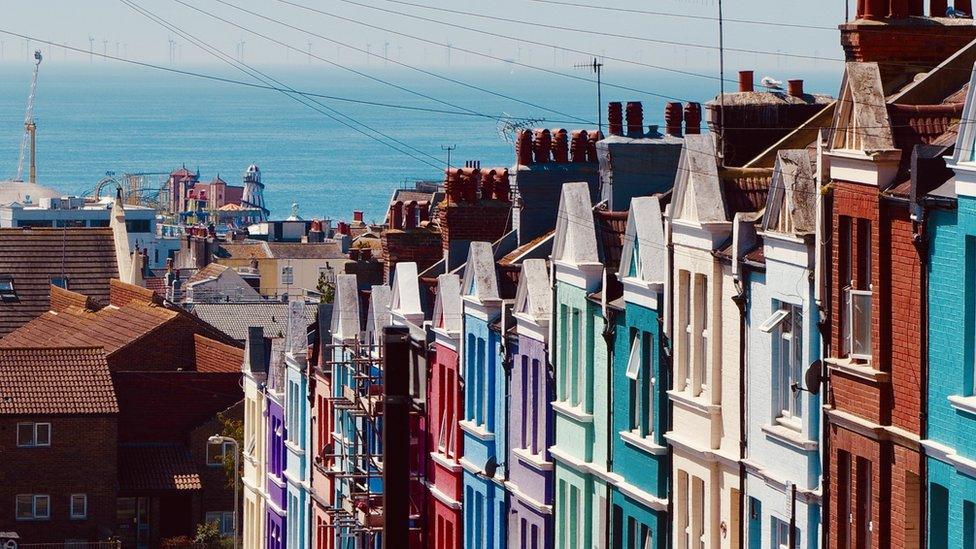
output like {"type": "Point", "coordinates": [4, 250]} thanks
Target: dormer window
{"type": "Point", "coordinates": [7, 292]}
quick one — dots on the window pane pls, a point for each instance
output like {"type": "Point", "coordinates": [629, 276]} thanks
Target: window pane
{"type": "Point", "coordinates": [79, 504]}
{"type": "Point", "coordinates": [634, 362]}
{"type": "Point", "coordinates": [25, 506]}
{"type": "Point", "coordinates": [41, 507]}
{"type": "Point", "coordinates": [43, 434]}
{"type": "Point", "coordinates": [25, 434]}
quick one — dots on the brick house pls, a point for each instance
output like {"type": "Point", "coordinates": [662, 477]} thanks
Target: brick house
{"type": "Point", "coordinates": [57, 404]}
{"type": "Point", "coordinates": [874, 299]}
{"type": "Point", "coordinates": [157, 355]}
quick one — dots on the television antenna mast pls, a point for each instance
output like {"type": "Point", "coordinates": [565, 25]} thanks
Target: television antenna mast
{"type": "Point", "coordinates": [597, 67]}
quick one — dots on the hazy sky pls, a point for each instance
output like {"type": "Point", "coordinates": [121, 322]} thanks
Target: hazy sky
{"type": "Point", "coordinates": [117, 28]}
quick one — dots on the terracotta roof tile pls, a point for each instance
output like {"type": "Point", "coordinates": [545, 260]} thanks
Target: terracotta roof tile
{"type": "Point", "coordinates": [156, 467]}
{"type": "Point", "coordinates": [55, 380]}
{"type": "Point", "coordinates": [213, 356]}
{"type": "Point", "coordinates": [32, 257]}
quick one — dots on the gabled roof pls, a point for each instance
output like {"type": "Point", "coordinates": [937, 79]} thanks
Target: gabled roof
{"type": "Point", "coordinates": [346, 317]}
{"type": "Point", "coordinates": [534, 295]}
{"type": "Point", "coordinates": [156, 467]}
{"type": "Point", "coordinates": [861, 120]}
{"type": "Point", "coordinates": [405, 298]}
{"type": "Point", "coordinates": [480, 278]}
{"type": "Point", "coordinates": [379, 315]}
{"type": "Point", "coordinates": [305, 250]}
{"type": "Point", "coordinates": [57, 380]}
{"type": "Point", "coordinates": [234, 319]}
{"type": "Point", "coordinates": [33, 257]}
{"type": "Point", "coordinates": [575, 240]}
{"type": "Point", "coordinates": [792, 207]}
{"type": "Point", "coordinates": [447, 306]}
{"type": "Point", "coordinates": [645, 249]}
{"type": "Point", "coordinates": [213, 270]}
{"type": "Point", "coordinates": [698, 189]}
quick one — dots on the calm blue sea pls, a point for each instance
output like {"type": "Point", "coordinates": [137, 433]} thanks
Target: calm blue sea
{"type": "Point", "coordinates": [98, 118]}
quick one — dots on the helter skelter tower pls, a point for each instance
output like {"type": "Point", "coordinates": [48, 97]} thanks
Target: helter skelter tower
{"type": "Point", "coordinates": [253, 195]}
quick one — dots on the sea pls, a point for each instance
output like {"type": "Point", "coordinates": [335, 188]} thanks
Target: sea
{"type": "Point", "coordinates": [100, 118]}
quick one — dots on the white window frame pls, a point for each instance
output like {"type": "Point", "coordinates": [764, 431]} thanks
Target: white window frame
{"type": "Point", "coordinates": [789, 365]}
{"type": "Point", "coordinates": [781, 534]}
{"type": "Point", "coordinates": [35, 498]}
{"type": "Point", "coordinates": [73, 511]}
{"type": "Point", "coordinates": [36, 428]}
{"type": "Point", "coordinates": [850, 326]}
{"type": "Point", "coordinates": [702, 350]}
{"type": "Point", "coordinates": [684, 295]}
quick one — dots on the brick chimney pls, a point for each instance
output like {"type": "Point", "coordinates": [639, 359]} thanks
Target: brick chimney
{"type": "Point", "coordinates": [357, 216]}
{"type": "Point", "coordinates": [635, 119]}
{"type": "Point", "coordinates": [615, 118]}
{"type": "Point", "coordinates": [484, 213]}
{"type": "Point", "coordinates": [795, 88]}
{"type": "Point", "coordinates": [746, 81]}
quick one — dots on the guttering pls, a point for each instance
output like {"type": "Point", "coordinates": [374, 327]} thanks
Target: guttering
{"type": "Point", "coordinates": [609, 338]}
{"type": "Point", "coordinates": [922, 248]}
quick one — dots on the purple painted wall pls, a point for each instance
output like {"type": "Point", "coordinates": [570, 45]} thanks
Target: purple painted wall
{"type": "Point", "coordinates": [530, 425]}
{"type": "Point", "coordinates": [276, 453]}
{"type": "Point", "coordinates": [276, 531]}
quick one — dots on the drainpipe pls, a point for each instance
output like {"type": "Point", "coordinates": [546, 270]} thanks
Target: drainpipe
{"type": "Point", "coordinates": [740, 301]}
{"type": "Point", "coordinates": [922, 246]}
{"type": "Point", "coordinates": [823, 288]}
{"type": "Point", "coordinates": [507, 365]}
{"type": "Point", "coordinates": [609, 337]}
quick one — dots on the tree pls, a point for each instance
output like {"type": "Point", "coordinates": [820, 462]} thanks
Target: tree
{"type": "Point", "coordinates": [233, 428]}
{"type": "Point", "coordinates": [326, 288]}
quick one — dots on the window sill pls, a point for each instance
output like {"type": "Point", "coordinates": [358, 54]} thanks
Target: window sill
{"type": "Point", "coordinates": [697, 403]}
{"type": "Point", "coordinates": [866, 372]}
{"type": "Point", "coordinates": [575, 413]}
{"type": "Point", "coordinates": [476, 431]}
{"type": "Point", "coordinates": [963, 404]}
{"type": "Point", "coordinates": [445, 462]}
{"type": "Point", "coordinates": [536, 461]}
{"type": "Point", "coordinates": [790, 437]}
{"type": "Point", "coordinates": [294, 448]}
{"type": "Point", "coordinates": [645, 444]}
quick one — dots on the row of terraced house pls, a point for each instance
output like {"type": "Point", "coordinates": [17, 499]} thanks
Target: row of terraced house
{"type": "Point", "coordinates": [759, 336]}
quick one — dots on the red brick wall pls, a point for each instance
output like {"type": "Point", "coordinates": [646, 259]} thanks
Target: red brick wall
{"type": "Point", "coordinates": [217, 493]}
{"type": "Point", "coordinates": [922, 46]}
{"type": "Point", "coordinates": [81, 459]}
{"type": "Point", "coordinates": [483, 221]}
{"type": "Point", "coordinates": [421, 246]}
{"type": "Point", "coordinates": [857, 446]}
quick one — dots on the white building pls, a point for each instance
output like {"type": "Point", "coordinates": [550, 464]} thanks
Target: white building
{"type": "Point", "coordinates": [783, 412]}
{"type": "Point", "coordinates": [705, 335]}
{"type": "Point", "coordinates": [255, 434]}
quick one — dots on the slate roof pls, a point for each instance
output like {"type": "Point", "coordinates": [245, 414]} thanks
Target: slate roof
{"type": "Point", "coordinates": [156, 467]}
{"type": "Point", "coordinates": [305, 250]}
{"type": "Point", "coordinates": [60, 380]}
{"type": "Point", "coordinates": [33, 256]}
{"type": "Point", "coordinates": [212, 270]}
{"type": "Point", "coordinates": [244, 250]}
{"type": "Point", "coordinates": [234, 319]}
{"type": "Point", "coordinates": [611, 227]}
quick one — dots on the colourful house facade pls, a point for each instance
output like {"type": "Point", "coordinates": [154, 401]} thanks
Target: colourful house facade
{"type": "Point", "coordinates": [641, 467]}
{"type": "Point", "coordinates": [530, 476]}
{"type": "Point", "coordinates": [485, 506]}
{"type": "Point", "coordinates": [297, 431]}
{"type": "Point", "coordinates": [446, 408]}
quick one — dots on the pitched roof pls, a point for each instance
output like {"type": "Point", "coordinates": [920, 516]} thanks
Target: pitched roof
{"type": "Point", "coordinates": [305, 250]}
{"type": "Point", "coordinates": [698, 189]}
{"type": "Point", "coordinates": [610, 227]}
{"type": "Point", "coordinates": [645, 250]}
{"type": "Point", "coordinates": [447, 307]}
{"type": "Point", "coordinates": [346, 319]}
{"type": "Point", "coordinates": [405, 298]}
{"type": "Point", "coordinates": [156, 467]}
{"type": "Point", "coordinates": [214, 356]}
{"type": "Point", "coordinates": [133, 315]}
{"type": "Point", "coordinates": [575, 239]}
{"type": "Point", "coordinates": [791, 207]}
{"type": "Point", "coordinates": [62, 380]}
{"type": "Point", "coordinates": [244, 250]}
{"type": "Point", "coordinates": [32, 257]}
{"type": "Point", "coordinates": [480, 278]}
{"type": "Point", "coordinates": [534, 294]}
{"type": "Point", "coordinates": [861, 122]}
{"type": "Point", "coordinates": [212, 270]}
{"type": "Point", "coordinates": [234, 319]}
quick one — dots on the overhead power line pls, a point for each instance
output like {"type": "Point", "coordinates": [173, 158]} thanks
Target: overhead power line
{"type": "Point", "coordinates": [686, 16]}
{"type": "Point", "coordinates": [315, 105]}
{"type": "Point", "coordinates": [368, 52]}
{"type": "Point", "coordinates": [600, 33]}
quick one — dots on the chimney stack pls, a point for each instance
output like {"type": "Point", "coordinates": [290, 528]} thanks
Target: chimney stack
{"type": "Point", "coordinates": [255, 353]}
{"type": "Point", "coordinates": [672, 118]}
{"type": "Point", "coordinates": [560, 146]}
{"type": "Point", "coordinates": [693, 118]}
{"type": "Point", "coordinates": [635, 119]}
{"type": "Point", "coordinates": [357, 215]}
{"type": "Point", "coordinates": [795, 88]}
{"type": "Point", "coordinates": [745, 81]}
{"type": "Point", "coordinates": [615, 118]}
{"type": "Point", "coordinates": [396, 215]}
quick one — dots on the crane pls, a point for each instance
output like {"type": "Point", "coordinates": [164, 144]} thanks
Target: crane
{"type": "Point", "coordinates": [30, 129]}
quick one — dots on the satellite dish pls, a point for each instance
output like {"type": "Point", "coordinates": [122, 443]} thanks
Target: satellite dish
{"type": "Point", "coordinates": [814, 377]}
